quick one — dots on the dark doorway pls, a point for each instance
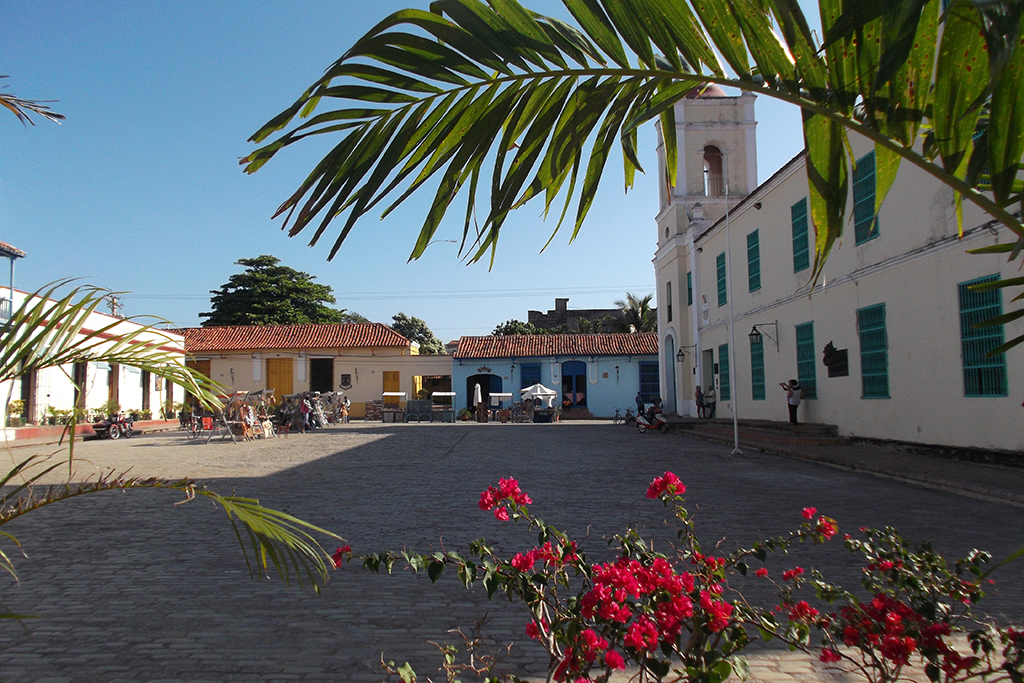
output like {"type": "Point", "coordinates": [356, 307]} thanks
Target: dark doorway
{"type": "Point", "coordinates": [488, 384]}
{"type": "Point", "coordinates": [321, 374]}
{"type": "Point", "coordinates": [145, 390]}
{"type": "Point", "coordinates": [574, 383]}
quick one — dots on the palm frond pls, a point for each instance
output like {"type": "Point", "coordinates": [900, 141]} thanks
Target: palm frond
{"type": "Point", "coordinates": [468, 90]}
{"type": "Point", "coordinates": [23, 108]}
{"type": "Point", "coordinates": [276, 540]}
{"type": "Point", "coordinates": [45, 332]}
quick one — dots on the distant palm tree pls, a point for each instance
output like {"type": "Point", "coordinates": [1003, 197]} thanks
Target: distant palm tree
{"type": "Point", "coordinates": [637, 314]}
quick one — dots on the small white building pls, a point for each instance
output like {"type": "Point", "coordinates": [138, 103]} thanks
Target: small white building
{"type": "Point", "coordinates": [893, 307]}
{"type": "Point", "coordinates": [45, 393]}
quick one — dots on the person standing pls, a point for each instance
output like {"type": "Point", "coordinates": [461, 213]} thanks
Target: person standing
{"type": "Point", "coordinates": [794, 392]}
{"type": "Point", "coordinates": [698, 396]}
{"type": "Point", "coordinates": [346, 406]}
{"type": "Point", "coordinates": [305, 409]}
{"type": "Point", "coordinates": [709, 401]}
{"type": "Point", "coordinates": [639, 403]}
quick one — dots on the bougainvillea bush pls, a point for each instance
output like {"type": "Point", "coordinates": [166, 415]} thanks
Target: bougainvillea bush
{"type": "Point", "coordinates": [674, 617]}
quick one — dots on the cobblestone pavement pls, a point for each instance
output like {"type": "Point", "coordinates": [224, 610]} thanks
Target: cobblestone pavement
{"type": "Point", "coordinates": [132, 587]}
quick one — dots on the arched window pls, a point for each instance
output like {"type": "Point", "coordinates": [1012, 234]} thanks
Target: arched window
{"type": "Point", "coordinates": [714, 184]}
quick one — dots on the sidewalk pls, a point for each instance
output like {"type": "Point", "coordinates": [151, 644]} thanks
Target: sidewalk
{"type": "Point", "coordinates": [932, 468]}
{"type": "Point", "coordinates": [32, 435]}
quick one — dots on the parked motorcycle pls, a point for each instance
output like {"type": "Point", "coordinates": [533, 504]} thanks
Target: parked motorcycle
{"type": "Point", "coordinates": [652, 420]}
{"type": "Point", "coordinates": [114, 427]}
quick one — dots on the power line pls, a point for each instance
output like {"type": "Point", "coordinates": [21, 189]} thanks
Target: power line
{"type": "Point", "coordinates": [449, 294]}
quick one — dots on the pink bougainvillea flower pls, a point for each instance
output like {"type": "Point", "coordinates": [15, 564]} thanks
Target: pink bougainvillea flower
{"type": "Point", "coordinates": [501, 514]}
{"type": "Point", "coordinates": [668, 482]}
{"type": "Point", "coordinates": [532, 631]}
{"type": "Point", "coordinates": [613, 660]}
{"type": "Point", "coordinates": [792, 573]}
{"type": "Point", "coordinates": [339, 555]}
{"type": "Point", "coordinates": [828, 655]}
{"type": "Point", "coordinates": [826, 527]}
{"type": "Point", "coordinates": [808, 513]}
{"type": "Point", "coordinates": [762, 572]}
{"type": "Point", "coordinates": [802, 611]}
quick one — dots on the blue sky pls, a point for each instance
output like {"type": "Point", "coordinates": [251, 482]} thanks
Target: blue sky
{"type": "Point", "coordinates": [140, 190]}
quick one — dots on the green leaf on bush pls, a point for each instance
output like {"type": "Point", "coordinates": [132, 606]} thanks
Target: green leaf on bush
{"type": "Point", "coordinates": [406, 673]}
{"type": "Point", "coordinates": [434, 571]}
{"type": "Point", "coordinates": [741, 568]}
{"type": "Point", "coordinates": [719, 672]}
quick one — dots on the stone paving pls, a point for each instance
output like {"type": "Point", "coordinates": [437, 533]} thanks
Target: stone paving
{"type": "Point", "coordinates": [132, 587]}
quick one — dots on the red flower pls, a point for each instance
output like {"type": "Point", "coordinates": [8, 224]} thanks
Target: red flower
{"type": "Point", "coordinates": [827, 527]}
{"type": "Point", "coordinates": [809, 512]}
{"type": "Point", "coordinates": [762, 572]}
{"type": "Point", "coordinates": [828, 655]}
{"type": "Point", "coordinates": [667, 482]}
{"type": "Point", "coordinates": [792, 573]}
{"type": "Point", "coordinates": [613, 660]}
{"type": "Point", "coordinates": [339, 555]}
{"type": "Point", "coordinates": [642, 635]}
{"type": "Point", "coordinates": [501, 514]}
{"type": "Point", "coordinates": [532, 631]}
{"type": "Point", "coordinates": [802, 611]}
{"type": "Point", "coordinates": [524, 563]}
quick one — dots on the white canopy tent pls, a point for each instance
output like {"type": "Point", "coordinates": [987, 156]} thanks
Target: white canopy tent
{"type": "Point", "coordinates": [539, 391]}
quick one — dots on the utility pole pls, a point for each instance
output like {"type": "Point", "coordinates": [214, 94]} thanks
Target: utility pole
{"type": "Point", "coordinates": [115, 304]}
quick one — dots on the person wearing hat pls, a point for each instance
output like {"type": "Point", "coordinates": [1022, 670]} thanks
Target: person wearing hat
{"type": "Point", "coordinates": [794, 392]}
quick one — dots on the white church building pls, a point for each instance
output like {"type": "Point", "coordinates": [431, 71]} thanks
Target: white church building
{"type": "Point", "coordinates": [903, 360]}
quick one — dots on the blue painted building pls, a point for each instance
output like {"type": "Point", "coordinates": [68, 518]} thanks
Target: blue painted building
{"type": "Point", "coordinates": [596, 373]}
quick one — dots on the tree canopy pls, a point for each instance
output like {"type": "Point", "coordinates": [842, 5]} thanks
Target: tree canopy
{"type": "Point", "coordinates": [637, 314]}
{"type": "Point", "coordinates": [267, 293]}
{"type": "Point", "coordinates": [415, 329]}
{"type": "Point", "coordinates": [443, 95]}
{"type": "Point", "coordinates": [513, 327]}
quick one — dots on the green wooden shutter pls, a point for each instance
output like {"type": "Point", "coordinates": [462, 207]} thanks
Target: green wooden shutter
{"type": "Point", "coordinates": [982, 376]}
{"type": "Point", "coordinates": [806, 372]}
{"type": "Point", "coordinates": [874, 352]}
{"type": "Point", "coordinates": [725, 389]}
{"type": "Point", "coordinates": [801, 245]}
{"type": "Point", "coordinates": [757, 370]}
{"type": "Point", "coordinates": [720, 268]}
{"type": "Point", "coordinates": [754, 261]}
{"type": "Point", "coordinates": [865, 223]}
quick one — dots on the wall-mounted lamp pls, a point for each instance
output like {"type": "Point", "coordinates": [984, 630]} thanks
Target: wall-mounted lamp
{"type": "Point", "coordinates": [755, 334]}
{"type": "Point", "coordinates": [757, 205]}
{"type": "Point", "coordinates": [680, 356]}
{"type": "Point", "coordinates": [700, 250]}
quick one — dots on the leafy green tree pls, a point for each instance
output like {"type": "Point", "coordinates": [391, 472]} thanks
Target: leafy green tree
{"type": "Point", "coordinates": [266, 293]}
{"type": "Point", "coordinates": [535, 105]}
{"type": "Point", "coordinates": [637, 314]}
{"type": "Point", "coordinates": [415, 329]}
{"type": "Point", "coordinates": [514, 327]}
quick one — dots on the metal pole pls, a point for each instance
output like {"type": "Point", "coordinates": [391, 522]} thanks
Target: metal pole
{"type": "Point", "coordinates": [732, 332]}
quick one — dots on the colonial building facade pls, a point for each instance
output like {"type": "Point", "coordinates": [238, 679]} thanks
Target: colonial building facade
{"type": "Point", "coordinates": [361, 360]}
{"type": "Point", "coordinates": [595, 373]}
{"type": "Point", "coordinates": [883, 343]}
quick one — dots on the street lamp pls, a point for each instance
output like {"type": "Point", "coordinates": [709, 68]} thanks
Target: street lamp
{"type": "Point", "coordinates": [756, 334]}
{"type": "Point", "coordinates": [680, 356]}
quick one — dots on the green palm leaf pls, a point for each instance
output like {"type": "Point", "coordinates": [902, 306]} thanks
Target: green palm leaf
{"type": "Point", "coordinates": [469, 88]}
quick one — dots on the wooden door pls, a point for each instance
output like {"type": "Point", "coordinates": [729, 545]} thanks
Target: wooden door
{"type": "Point", "coordinates": [279, 377]}
{"type": "Point", "coordinates": [392, 382]}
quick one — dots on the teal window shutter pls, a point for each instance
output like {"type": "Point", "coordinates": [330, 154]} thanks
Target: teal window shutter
{"type": "Point", "coordinates": [529, 374]}
{"type": "Point", "coordinates": [806, 372]}
{"type": "Point", "coordinates": [720, 268]}
{"type": "Point", "coordinates": [649, 382]}
{"type": "Point", "coordinates": [801, 243]}
{"type": "Point", "coordinates": [754, 261]}
{"type": "Point", "coordinates": [982, 376]}
{"type": "Point", "coordinates": [689, 289]}
{"type": "Point", "coordinates": [874, 352]}
{"type": "Point", "coordinates": [757, 370]}
{"type": "Point", "coordinates": [865, 222]}
{"type": "Point", "coordinates": [725, 392]}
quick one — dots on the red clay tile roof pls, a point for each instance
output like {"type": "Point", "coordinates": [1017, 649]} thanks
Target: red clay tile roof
{"type": "Point", "coordinates": [534, 345]}
{"type": "Point", "coordinates": [265, 337]}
